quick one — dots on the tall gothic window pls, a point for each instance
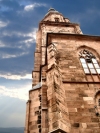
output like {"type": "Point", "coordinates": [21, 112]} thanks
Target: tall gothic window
{"type": "Point", "coordinates": [89, 62]}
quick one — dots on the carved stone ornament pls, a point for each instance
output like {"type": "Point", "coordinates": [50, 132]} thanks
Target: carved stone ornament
{"type": "Point", "coordinates": [86, 54]}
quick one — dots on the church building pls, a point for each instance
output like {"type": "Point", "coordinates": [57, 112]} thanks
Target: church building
{"type": "Point", "coordinates": [65, 94]}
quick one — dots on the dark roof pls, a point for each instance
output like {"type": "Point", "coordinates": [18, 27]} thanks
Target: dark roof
{"type": "Point", "coordinates": [52, 10]}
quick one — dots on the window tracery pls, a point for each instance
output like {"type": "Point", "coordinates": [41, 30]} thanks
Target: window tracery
{"type": "Point", "coordinates": [89, 62]}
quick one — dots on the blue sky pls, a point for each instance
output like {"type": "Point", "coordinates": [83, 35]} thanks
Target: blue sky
{"type": "Point", "coordinates": [18, 25]}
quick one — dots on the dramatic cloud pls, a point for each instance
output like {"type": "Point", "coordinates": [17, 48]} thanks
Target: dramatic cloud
{"type": "Point", "coordinates": [20, 93]}
{"type": "Point", "coordinates": [18, 36]}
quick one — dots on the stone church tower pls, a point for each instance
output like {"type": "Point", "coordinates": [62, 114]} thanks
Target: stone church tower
{"type": "Point", "coordinates": [65, 94]}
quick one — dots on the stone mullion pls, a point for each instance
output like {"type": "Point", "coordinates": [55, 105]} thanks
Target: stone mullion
{"type": "Point", "coordinates": [96, 71]}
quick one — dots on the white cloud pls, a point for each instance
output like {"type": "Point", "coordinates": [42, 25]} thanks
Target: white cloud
{"type": "Point", "coordinates": [29, 7]}
{"type": "Point", "coordinates": [16, 77]}
{"type": "Point", "coordinates": [5, 56]}
{"type": "Point", "coordinates": [32, 6]}
{"type": "Point", "coordinates": [3, 24]}
{"type": "Point", "coordinates": [8, 56]}
{"type": "Point", "coordinates": [20, 93]}
{"type": "Point", "coordinates": [31, 35]}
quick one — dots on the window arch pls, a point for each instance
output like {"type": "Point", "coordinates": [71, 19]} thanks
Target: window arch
{"type": "Point", "coordinates": [97, 98]}
{"type": "Point", "coordinates": [89, 62]}
{"type": "Point", "coordinates": [97, 103]}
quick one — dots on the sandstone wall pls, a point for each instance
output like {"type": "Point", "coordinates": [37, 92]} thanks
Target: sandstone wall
{"type": "Point", "coordinates": [79, 97]}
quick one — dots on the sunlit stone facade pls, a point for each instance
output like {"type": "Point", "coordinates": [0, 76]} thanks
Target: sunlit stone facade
{"type": "Point", "coordinates": [65, 95]}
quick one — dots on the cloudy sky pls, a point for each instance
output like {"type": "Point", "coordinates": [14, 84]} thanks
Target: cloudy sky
{"type": "Point", "coordinates": [18, 25]}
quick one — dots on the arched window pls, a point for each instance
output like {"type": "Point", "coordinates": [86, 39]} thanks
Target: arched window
{"type": "Point", "coordinates": [89, 62]}
{"type": "Point", "coordinates": [97, 103]}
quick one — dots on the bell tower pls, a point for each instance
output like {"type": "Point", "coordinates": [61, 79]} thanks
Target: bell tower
{"type": "Point", "coordinates": [65, 94]}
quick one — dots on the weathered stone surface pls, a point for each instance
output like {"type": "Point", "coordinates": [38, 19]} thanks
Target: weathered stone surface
{"type": "Point", "coordinates": [67, 101]}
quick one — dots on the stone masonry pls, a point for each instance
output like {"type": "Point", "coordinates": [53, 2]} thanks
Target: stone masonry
{"type": "Point", "coordinates": [65, 94]}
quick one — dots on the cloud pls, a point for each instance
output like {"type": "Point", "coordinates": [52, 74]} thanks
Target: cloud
{"type": "Point", "coordinates": [4, 56]}
{"type": "Point", "coordinates": [20, 93]}
{"type": "Point", "coordinates": [33, 34]}
{"type": "Point", "coordinates": [2, 44]}
{"type": "Point", "coordinates": [32, 6]}
{"type": "Point", "coordinates": [3, 24]}
{"type": "Point", "coordinates": [29, 7]}
{"type": "Point", "coordinates": [16, 77]}
{"type": "Point", "coordinates": [19, 37]}
{"type": "Point", "coordinates": [31, 37]}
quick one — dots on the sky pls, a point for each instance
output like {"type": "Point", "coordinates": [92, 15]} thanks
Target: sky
{"type": "Point", "coordinates": [19, 21]}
